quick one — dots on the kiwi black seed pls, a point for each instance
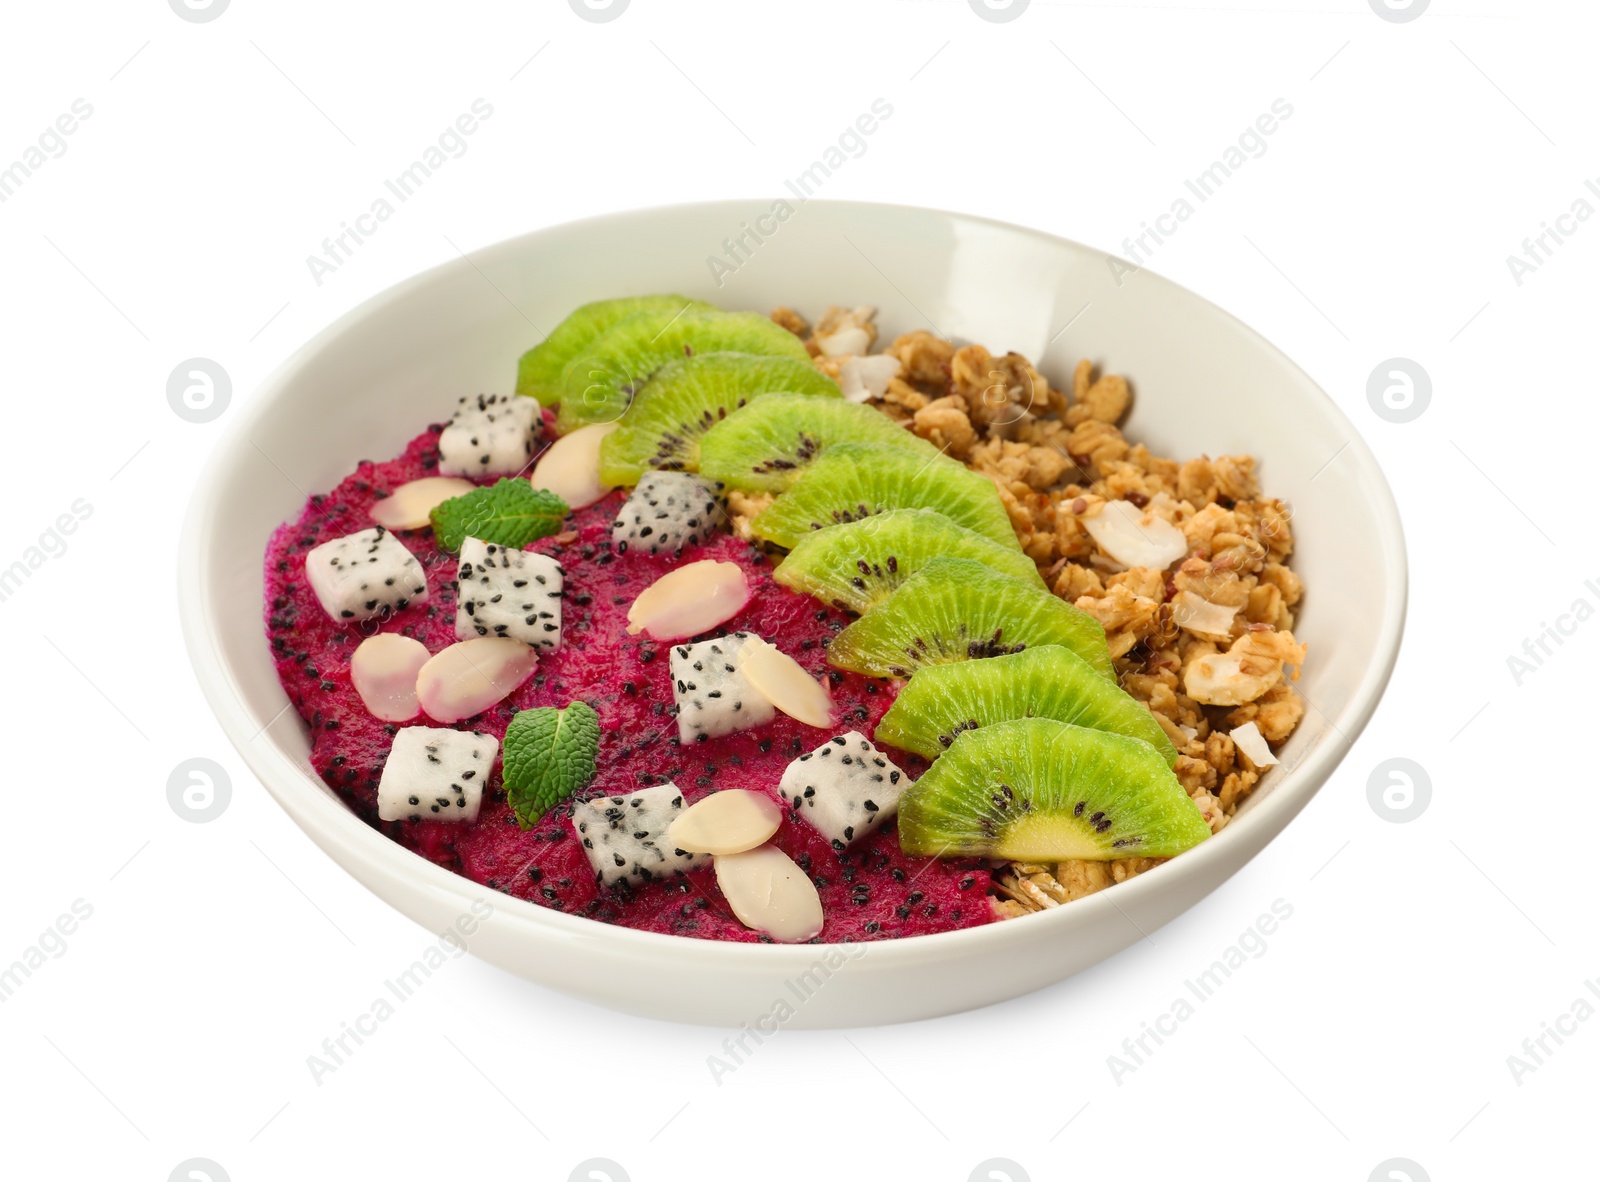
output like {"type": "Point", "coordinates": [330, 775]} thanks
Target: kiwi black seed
{"type": "Point", "coordinates": [600, 381]}
{"type": "Point", "coordinates": [539, 369]}
{"type": "Point", "coordinates": [686, 398]}
{"type": "Point", "coordinates": [1046, 681]}
{"type": "Point", "coordinates": [1038, 790]}
{"type": "Point", "coordinates": [955, 609]}
{"type": "Point", "coordinates": [855, 565]}
{"type": "Point", "coordinates": [769, 443]}
{"type": "Point", "coordinates": [851, 481]}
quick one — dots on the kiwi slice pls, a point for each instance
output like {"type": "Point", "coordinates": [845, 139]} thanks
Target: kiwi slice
{"type": "Point", "coordinates": [1047, 681]}
{"type": "Point", "coordinates": [766, 446]}
{"type": "Point", "coordinates": [1038, 790]}
{"type": "Point", "coordinates": [689, 396]}
{"type": "Point", "coordinates": [955, 609]}
{"type": "Point", "coordinates": [851, 481]}
{"type": "Point", "coordinates": [598, 383]}
{"type": "Point", "coordinates": [855, 565]}
{"type": "Point", "coordinates": [539, 369]}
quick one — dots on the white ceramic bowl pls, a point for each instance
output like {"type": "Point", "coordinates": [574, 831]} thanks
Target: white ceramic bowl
{"type": "Point", "coordinates": [1204, 383]}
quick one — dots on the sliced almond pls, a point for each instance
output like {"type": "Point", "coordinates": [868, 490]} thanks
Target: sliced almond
{"type": "Point", "coordinates": [1252, 744]}
{"type": "Point", "coordinates": [467, 678]}
{"type": "Point", "coordinates": [570, 467]}
{"type": "Point", "coordinates": [690, 600]}
{"type": "Point", "coordinates": [409, 506]}
{"type": "Point", "coordinates": [784, 682]}
{"type": "Point", "coordinates": [1211, 621]}
{"type": "Point", "coordinates": [384, 671]}
{"type": "Point", "coordinates": [771, 894]}
{"type": "Point", "coordinates": [727, 822]}
{"type": "Point", "coordinates": [1136, 537]}
{"type": "Point", "coordinates": [862, 378]}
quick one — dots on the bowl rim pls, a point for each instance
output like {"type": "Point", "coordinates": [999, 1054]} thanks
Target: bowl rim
{"type": "Point", "coordinates": [330, 823]}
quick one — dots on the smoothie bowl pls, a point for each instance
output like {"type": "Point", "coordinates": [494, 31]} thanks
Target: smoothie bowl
{"type": "Point", "coordinates": [847, 623]}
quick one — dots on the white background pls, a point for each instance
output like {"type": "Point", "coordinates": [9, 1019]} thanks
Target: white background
{"type": "Point", "coordinates": [218, 956]}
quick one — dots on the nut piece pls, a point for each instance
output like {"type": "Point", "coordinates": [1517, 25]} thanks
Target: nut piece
{"type": "Point", "coordinates": [1212, 621]}
{"type": "Point", "coordinates": [409, 506]}
{"type": "Point", "coordinates": [1245, 672]}
{"type": "Point", "coordinates": [727, 822]}
{"type": "Point", "coordinates": [769, 893]}
{"type": "Point", "coordinates": [384, 671]}
{"type": "Point", "coordinates": [467, 678]}
{"type": "Point", "coordinates": [570, 467]}
{"type": "Point", "coordinates": [690, 600]}
{"type": "Point", "coordinates": [863, 378]}
{"type": "Point", "coordinates": [1253, 745]}
{"type": "Point", "coordinates": [1136, 537]}
{"type": "Point", "coordinates": [781, 680]}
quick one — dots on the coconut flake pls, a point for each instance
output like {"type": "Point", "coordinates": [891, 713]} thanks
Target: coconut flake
{"type": "Point", "coordinates": [384, 671]}
{"type": "Point", "coordinates": [862, 378]}
{"type": "Point", "coordinates": [782, 680]}
{"type": "Point", "coordinates": [769, 893]}
{"type": "Point", "coordinates": [1136, 537]}
{"type": "Point", "coordinates": [1252, 744]}
{"type": "Point", "coordinates": [469, 677]}
{"type": "Point", "coordinates": [690, 600]}
{"type": "Point", "coordinates": [726, 822]}
{"type": "Point", "coordinates": [410, 506]}
{"type": "Point", "coordinates": [570, 467]}
{"type": "Point", "coordinates": [1211, 621]}
{"type": "Point", "coordinates": [851, 340]}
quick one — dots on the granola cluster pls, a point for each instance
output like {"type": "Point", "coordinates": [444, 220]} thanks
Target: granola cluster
{"type": "Point", "coordinates": [1185, 563]}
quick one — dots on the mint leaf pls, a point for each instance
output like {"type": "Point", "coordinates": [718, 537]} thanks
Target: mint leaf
{"type": "Point", "coordinates": [511, 513]}
{"type": "Point", "coordinates": [549, 755]}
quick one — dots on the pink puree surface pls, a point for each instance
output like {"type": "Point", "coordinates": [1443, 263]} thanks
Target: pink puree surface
{"type": "Point", "coordinates": [873, 891]}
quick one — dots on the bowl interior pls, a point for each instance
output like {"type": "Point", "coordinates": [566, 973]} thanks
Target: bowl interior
{"type": "Point", "coordinates": [1203, 382]}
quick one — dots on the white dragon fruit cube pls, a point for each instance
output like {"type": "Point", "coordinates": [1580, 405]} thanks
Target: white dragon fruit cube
{"type": "Point", "coordinates": [713, 696]}
{"type": "Point", "coordinates": [435, 774]}
{"type": "Point", "coordinates": [844, 789]}
{"type": "Point", "coordinates": [490, 435]}
{"type": "Point", "coordinates": [666, 512]}
{"type": "Point", "coordinates": [510, 593]}
{"type": "Point", "coordinates": [365, 574]}
{"type": "Point", "coordinates": [625, 837]}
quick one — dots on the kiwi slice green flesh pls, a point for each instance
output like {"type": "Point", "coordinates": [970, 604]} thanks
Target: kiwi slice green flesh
{"type": "Point", "coordinates": [1047, 681]}
{"type": "Point", "coordinates": [851, 481]}
{"type": "Point", "coordinates": [690, 395]}
{"type": "Point", "coordinates": [598, 384]}
{"type": "Point", "coordinates": [955, 609]}
{"type": "Point", "coordinates": [1038, 790]}
{"type": "Point", "coordinates": [539, 369]}
{"type": "Point", "coordinates": [856, 565]}
{"type": "Point", "coordinates": [768, 444]}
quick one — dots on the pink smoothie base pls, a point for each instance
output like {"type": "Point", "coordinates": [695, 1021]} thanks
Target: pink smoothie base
{"type": "Point", "coordinates": [871, 892]}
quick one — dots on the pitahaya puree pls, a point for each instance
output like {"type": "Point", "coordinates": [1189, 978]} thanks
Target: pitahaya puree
{"type": "Point", "coordinates": [871, 892]}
